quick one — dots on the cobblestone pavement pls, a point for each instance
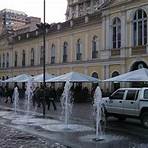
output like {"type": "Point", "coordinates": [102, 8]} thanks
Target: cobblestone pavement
{"type": "Point", "coordinates": [12, 138]}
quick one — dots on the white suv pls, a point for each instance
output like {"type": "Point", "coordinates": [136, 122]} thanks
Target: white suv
{"type": "Point", "coordinates": [128, 102]}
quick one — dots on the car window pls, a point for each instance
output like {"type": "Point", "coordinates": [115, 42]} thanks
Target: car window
{"type": "Point", "coordinates": [132, 95]}
{"type": "Point", "coordinates": [146, 94]}
{"type": "Point", "coordinates": [118, 95]}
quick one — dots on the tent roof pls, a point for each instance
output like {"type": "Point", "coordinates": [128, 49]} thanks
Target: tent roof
{"type": "Point", "coordinates": [39, 78]}
{"type": "Point", "coordinates": [73, 77]}
{"type": "Point", "coordinates": [20, 78]}
{"type": "Point", "coordinates": [132, 76]}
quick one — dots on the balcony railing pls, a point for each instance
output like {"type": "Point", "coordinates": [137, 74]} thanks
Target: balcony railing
{"type": "Point", "coordinates": [32, 62]}
{"type": "Point", "coordinates": [138, 50]}
{"type": "Point", "coordinates": [95, 54]}
{"type": "Point", "coordinates": [64, 58]}
{"type": "Point", "coordinates": [52, 60]}
{"type": "Point", "coordinates": [7, 64]}
{"type": "Point", "coordinates": [79, 56]}
{"type": "Point", "coordinates": [115, 52]}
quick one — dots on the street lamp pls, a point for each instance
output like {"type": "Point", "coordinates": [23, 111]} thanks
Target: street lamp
{"type": "Point", "coordinates": [42, 27]}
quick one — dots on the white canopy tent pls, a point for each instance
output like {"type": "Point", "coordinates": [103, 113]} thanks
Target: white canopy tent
{"type": "Point", "coordinates": [39, 78]}
{"type": "Point", "coordinates": [140, 75]}
{"type": "Point", "coordinates": [20, 78]}
{"type": "Point", "coordinates": [74, 77]}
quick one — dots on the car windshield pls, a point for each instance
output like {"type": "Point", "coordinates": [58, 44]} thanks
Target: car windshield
{"type": "Point", "coordinates": [145, 94]}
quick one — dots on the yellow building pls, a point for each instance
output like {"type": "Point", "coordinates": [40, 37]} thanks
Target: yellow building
{"type": "Point", "coordinates": [102, 42]}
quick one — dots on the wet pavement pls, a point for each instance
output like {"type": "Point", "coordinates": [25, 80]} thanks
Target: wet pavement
{"type": "Point", "coordinates": [34, 131]}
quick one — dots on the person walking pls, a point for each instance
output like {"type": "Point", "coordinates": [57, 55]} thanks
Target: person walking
{"type": "Point", "coordinates": [51, 95]}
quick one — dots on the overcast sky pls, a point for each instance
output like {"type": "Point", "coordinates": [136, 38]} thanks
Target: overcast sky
{"type": "Point", "coordinates": [55, 9]}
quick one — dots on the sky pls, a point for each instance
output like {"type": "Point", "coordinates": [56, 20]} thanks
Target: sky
{"type": "Point", "coordinates": [55, 9]}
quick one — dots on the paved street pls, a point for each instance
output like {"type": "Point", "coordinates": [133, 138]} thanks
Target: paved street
{"type": "Point", "coordinates": [19, 133]}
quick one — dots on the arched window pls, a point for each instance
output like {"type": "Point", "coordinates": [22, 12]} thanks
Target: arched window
{"type": "Point", "coordinates": [94, 47]}
{"type": "Point", "coordinates": [140, 28]}
{"type": "Point", "coordinates": [41, 55]}
{"type": "Point", "coordinates": [23, 58]}
{"type": "Point", "coordinates": [32, 56]}
{"type": "Point", "coordinates": [15, 59]}
{"type": "Point", "coordinates": [65, 46]}
{"type": "Point", "coordinates": [3, 60]}
{"type": "Point", "coordinates": [115, 86]}
{"type": "Point", "coordinates": [79, 50]}
{"type": "Point", "coordinates": [95, 75]}
{"type": "Point", "coordinates": [52, 54]}
{"type": "Point", "coordinates": [7, 60]}
{"type": "Point", "coordinates": [116, 33]}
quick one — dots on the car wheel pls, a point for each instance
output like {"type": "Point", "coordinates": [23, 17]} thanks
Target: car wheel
{"type": "Point", "coordinates": [144, 120]}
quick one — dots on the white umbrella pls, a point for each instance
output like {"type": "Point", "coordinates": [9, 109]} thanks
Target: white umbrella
{"type": "Point", "coordinates": [39, 78]}
{"type": "Point", "coordinates": [73, 77]}
{"type": "Point", "coordinates": [133, 76]}
{"type": "Point", "coordinates": [20, 78]}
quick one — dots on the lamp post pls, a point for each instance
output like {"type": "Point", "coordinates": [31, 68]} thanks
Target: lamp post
{"type": "Point", "coordinates": [44, 46]}
{"type": "Point", "coordinates": [42, 27]}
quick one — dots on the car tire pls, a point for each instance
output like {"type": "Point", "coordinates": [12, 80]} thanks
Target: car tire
{"type": "Point", "coordinates": [144, 120]}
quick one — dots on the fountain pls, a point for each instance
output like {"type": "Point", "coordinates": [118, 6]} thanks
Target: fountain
{"type": "Point", "coordinates": [16, 98]}
{"type": "Point", "coordinates": [28, 95]}
{"type": "Point", "coordinates": [99, 113]}
{"type": "Point", "coordinates": [67, 103]}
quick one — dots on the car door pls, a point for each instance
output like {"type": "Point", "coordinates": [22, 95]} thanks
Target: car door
{"type": "Point", "coordinates": [130, 104]}
{"type": "Point", "coordinates": [115, 102]}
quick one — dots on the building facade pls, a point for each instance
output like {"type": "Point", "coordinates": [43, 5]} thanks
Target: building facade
{"type": "Point", "coordinates": [108, 42]}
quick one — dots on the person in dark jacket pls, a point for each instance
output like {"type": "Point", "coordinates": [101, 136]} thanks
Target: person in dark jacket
{"type": "Point", "coordinates": [50, 97]}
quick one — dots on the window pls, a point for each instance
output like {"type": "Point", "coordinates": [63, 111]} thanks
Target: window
{"type": "Point", "coordinates": [116, 33]}
{"type": "Point", "coordinates": [94, 47]}
{"type": "Point", "coordinates": [132, 95]}
{"type": "Point", "coordinates": [41, 55]}
{"type": "Point", "coordinates": [140, 28]}
{"type": "Point", "coordinates": [65, 46]}
{"type": "Point", "coordinates": [78, 50]}
{"type": "Point", "coordinates": [32, 56]}
{"type": "Point", "coordinates": [3, 60]}
{"type": "Point", "coordinates": [15, 59]}
{"type": "Point", "coordinates": [118, 95]}
{"type": "Point", "coordinates": [23, 58]}
{"type": "Point", "coordinates": [7, 60]}
{"type": "Point", "coordinates": [145, 94]}
{"type": "Point", "coordinates": [52, 54]}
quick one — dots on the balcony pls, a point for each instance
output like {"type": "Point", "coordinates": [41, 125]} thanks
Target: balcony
{"type": "Point", "coordinates": [95, 54]}
{"type": "Point", "coordinates": [79, 56]}
{"type": "Point", "coordinates": [52, 60]}
{"type": "Point", "coordinates": [115, 52]}
{"type": "Point", "coordinates": [7, 64]}
{"type": "Point", "coordinates": [64, 58]}
{"type": "Point", "coordinates": [138, 50]}
{"type": "Point", "coordinates": [32, 62]}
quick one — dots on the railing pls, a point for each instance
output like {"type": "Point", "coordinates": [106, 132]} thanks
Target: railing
{"type": "Point", "coordinates": [64, 58]}
{"type": "Point", "coordinates": [79, 56]}
{"type": "Point", "coordinates": [138, 50]}
{"type": "Point", "coordinates": [115, 52]}
{"type": "Point", "coordinates": [52, 60]}
{"type": "Point", "coordinates": [32, 62]}
{"type": "Point", "coordinates": [95, 54]}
